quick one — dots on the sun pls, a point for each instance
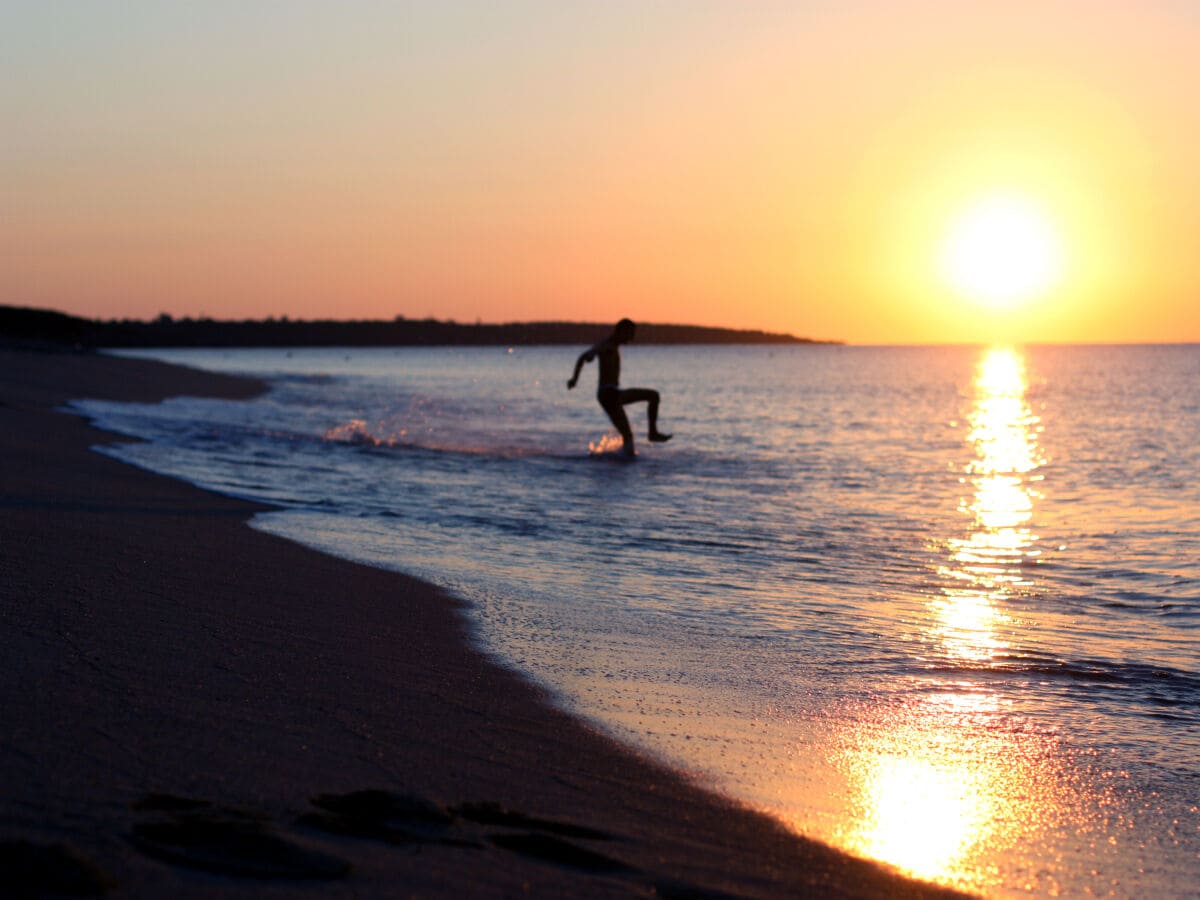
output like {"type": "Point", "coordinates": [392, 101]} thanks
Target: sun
{"type": "Point", "coordinates": [1001, 251]}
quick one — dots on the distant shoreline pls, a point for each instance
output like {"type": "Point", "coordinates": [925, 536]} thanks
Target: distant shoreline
{"type": "Point", "coordinates": [24, 326]}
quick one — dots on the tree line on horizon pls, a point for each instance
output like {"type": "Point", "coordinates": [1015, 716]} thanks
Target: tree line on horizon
{"type": "Point", "coordinates": [23, 324]}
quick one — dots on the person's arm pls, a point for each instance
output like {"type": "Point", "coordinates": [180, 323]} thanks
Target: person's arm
{"type": "Point", "coordinates": [585, 357]}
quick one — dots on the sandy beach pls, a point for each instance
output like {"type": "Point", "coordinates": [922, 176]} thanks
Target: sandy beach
{"type": "Point", "coordinates": [193, 707]}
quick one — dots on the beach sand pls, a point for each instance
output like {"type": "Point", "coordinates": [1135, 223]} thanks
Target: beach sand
{"type": "Point", "coordinates": [191, 707]}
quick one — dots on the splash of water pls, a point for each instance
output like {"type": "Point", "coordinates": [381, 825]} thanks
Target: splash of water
{"type": "Point", "coordinates": [609, 443]}
{"type": "Point", "coordinates": [357, 431]}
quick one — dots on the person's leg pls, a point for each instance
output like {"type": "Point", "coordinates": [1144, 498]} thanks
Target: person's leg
{"type": "Point", "coordinates": [637, 395]}
{"type": "Point", "coordinates": [611, 401]}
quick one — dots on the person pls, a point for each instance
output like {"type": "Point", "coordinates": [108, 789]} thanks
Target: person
{"type": "Point", "coordinates": [609, 393]}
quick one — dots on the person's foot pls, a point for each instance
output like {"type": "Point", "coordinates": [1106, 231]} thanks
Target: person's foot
{"type": "Point", "coordinates": [659, 438]}
{"type": "Point", "coordinates": [627, 451]}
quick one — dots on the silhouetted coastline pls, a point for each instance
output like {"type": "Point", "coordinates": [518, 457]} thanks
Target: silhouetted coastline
{"type": "Point", "coordinates": [24, 326]}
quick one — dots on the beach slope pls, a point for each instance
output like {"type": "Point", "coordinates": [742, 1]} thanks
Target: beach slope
{"type": "Point", "coordinates": [193, 707]}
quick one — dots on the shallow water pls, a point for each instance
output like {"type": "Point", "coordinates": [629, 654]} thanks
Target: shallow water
{"type": "Point", "coordinates": [935, 606]}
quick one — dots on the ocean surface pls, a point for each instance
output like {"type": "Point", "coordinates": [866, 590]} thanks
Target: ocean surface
{"type": "Point", "coordinates": [936, 606]}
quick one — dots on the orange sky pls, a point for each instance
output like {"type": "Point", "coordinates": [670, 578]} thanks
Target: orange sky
{"type": "Point", "coordinates": [783, 166]}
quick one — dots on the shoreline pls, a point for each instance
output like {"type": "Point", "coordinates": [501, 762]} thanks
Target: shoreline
{"type": "Point", "coordinates": [182, 687]}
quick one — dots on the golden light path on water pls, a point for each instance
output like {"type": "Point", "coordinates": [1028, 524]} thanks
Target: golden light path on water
{"type": "Point", "coordinates": [989, 562]}
{"type": "Point", "coordinates": [938, 788]}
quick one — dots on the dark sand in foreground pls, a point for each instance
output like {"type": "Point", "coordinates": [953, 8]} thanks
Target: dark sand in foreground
{"type": "Point", "coordinates": [179, 689]}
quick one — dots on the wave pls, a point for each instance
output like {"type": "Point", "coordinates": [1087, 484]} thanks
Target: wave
{"type": "Point", "coordinates": [360, 433]}
{"type": "Point", "coordinates": [1158, 684]}
{"type": "Point", "coordinates": [357, 433]}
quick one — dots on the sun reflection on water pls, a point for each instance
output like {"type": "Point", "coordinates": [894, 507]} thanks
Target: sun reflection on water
{"type": "Point", "coordinates": [989, 563]}
{"type": "Point", "coordinates": [928, 785]}
{"type": "Point", "coordinates": [940, 782]}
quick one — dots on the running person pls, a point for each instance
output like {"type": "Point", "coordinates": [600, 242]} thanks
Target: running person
{"type": "Point", "coordinates": [609, 393]}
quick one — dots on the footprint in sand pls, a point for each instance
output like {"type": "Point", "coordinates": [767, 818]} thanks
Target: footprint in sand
{"type": "Point", "coordinates": [198, 835]}
{"type": "Point", "coordinates": [227, 841]}
{"type": "Point", "coordinates": [406, 819]}
{"type": "Point", "coordinates": [383, 816]}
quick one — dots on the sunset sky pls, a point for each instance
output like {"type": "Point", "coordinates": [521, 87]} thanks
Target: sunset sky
{"type": "Point", "coordinates": [878, 172]}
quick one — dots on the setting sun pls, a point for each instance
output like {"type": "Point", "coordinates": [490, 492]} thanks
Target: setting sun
{"type": "Point", "coordinates": [916, 172]}
{"type": "Point", "coordinates": [1002, 251]}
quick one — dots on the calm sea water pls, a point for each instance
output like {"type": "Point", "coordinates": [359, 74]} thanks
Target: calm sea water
{"type": "Point", "coordinates": [939, 607]}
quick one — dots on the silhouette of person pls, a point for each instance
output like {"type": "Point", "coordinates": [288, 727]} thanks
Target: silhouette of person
{"type": "Point", "coordinates": [609, 393]}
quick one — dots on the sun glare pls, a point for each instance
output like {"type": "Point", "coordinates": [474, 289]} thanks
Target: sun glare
{"type": "Point", "coordinates": [1002, 251]}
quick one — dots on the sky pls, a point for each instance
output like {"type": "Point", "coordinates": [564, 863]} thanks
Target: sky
{"type": "Point", "coordinates": [804, 167]}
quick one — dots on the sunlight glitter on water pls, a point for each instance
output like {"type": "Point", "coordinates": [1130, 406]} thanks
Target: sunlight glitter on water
{"type": "Point", "coordinates": [925, 802]}
{"type": "Point", "coordinates": [986, 564]}
{"type": "Point", "coordinates": [935, 784]}
{"type": "Point", "coordinates": [941, 789]}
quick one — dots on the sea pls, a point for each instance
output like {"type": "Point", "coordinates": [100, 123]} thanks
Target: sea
{"type": "Point", "coordinates": [937, 606]}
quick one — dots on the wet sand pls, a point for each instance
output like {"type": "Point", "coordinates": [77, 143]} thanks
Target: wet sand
{"type": "Point", "coordinates": [193, 707]}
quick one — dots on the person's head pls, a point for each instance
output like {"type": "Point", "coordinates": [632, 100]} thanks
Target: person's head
{"type": "Point", "coordinates": [624, 331]}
